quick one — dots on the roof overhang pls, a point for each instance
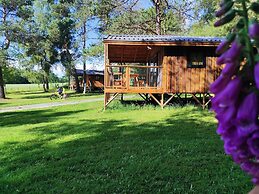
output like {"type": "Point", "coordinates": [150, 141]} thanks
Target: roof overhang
{"type": "Point", "coordinates": [161, 40]}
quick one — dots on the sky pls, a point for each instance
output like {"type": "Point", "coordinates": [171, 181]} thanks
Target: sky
{"type": "Point", "coordinates": [94, 38]}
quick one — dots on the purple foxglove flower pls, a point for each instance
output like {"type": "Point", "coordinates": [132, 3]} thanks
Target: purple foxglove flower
{"type": "Point", "coordinates": [230, 147]}
{"type": "Point", "coordinates": [256, 75]}
{"type": "Point", "coordinates": [229, 95]}
{"type": "Point", "coordinates": [233, 53]}
{"type": "Point", "coordinates": [251, 168]}
{"type": "Point", "coordinates": [226, 6]}
{"type": "Point", "coordinates": [255, 180]}
{"type": "Point", "coordinates": [254, 30]}
{"type": "Point", "coordinates": [226, 115]}
{"type": "Point", "coordinates": [223, 46]}
{"type": "Point", "coordinates": [231, 134]}
{"type": "Point", "coordinates": [227, 18]}
{"type": "Point", "coordinates": [247, 114]}
{"type": "Point", "coordinates": [253, 143]}
{"type": "Point", "coordinates": [219, 84]}
{"type": "Point", "coordinates": [221, 59]}
{"type": "Point", "coordinates": [230, 69]}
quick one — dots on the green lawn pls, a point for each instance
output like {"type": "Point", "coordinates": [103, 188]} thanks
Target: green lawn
{"type": "Point", "coordinates": [80, 149]}
{"type": "Point", "coordinates": [25, 94]}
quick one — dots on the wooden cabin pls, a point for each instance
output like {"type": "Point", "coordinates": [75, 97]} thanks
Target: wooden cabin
{"type": "Point", "coordinates": [94, 79]}
{"type": "Point", "coordinates": [157, 65]}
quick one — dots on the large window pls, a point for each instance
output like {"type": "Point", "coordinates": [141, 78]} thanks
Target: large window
{"type": "Point", "coordinates": [196, 60]}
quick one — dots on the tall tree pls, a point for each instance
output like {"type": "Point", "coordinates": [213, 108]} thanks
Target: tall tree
{"type": "Point", "coordinates": [14, 14]}
{"type": "Point", "coordinates": [41, 47]}
{"type": "Point", "coordinates": [84, 13]}
{"type": "Point", "coordinates": [63, 13]}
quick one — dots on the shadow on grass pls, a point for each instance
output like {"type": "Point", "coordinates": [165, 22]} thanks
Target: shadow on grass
{"type": "Point", "coordinates": [3, 103]}
{"type": "Point", "coordinates": [180, 154]}
{"type": "Point", "coordinates": [12, 119]}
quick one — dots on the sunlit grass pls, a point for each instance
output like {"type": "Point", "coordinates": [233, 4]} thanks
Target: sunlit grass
{"type": "Point", "coordinates": [126, 149]}
{"type": "Point", "coordinates": [26, 94]}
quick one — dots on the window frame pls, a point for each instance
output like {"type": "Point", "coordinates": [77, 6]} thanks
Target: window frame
{"type": "Point", "coordinates": [193, 54]}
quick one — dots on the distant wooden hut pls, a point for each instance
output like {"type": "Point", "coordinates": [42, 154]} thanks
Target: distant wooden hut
{"type": "Point", "coordinates": [157, 65]}
{"type": "Point", "coordinates": [94, 79]}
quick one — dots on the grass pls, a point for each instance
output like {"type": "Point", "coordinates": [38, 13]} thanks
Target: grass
{"type": "Point", "coordinates": [81, 149]}
{"type": "Point", "coordinates": [26, 94]}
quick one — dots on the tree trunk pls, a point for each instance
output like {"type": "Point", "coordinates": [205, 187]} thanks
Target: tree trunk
{"type": "Point", "coordinates": [77, 81]}
{"type": "Point", "coordinates": [158, 17]}
{"type": "Point", "coordinates": [44, 84]}
{"type": "Point", "coordinates": [84, 58]}
{"type": "Point", "coordinates": [47, 83]}
{"type": "Point", "coordinates": [2, 92]}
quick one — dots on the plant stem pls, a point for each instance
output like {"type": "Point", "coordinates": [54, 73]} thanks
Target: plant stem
{"type": "Point", "coordinates": [248, 45]}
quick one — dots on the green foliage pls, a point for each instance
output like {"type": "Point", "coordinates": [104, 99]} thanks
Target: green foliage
{"type": "Point", "coordinates": [13, 75]}
{"type": "Point", "coordinates": [143, 22]}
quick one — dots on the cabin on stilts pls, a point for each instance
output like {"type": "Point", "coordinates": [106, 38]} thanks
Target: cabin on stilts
{"type": "Point", "coordinates": [160, 67]}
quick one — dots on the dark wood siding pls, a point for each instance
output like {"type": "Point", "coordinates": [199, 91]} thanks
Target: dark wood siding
{"type": "Point", "coordinates": [183, 79]}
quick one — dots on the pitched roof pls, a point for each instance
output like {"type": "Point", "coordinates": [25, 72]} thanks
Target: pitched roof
{"type": "Point", "coordinates": [161, 38]}
{"type": "Point", "coordinates": [89, 72]}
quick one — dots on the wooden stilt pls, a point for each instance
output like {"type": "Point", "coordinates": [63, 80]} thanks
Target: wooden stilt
{"type": "Point", "coordinates": [122, 98]}
{"type": "Point", "coordinates": [168, 100]}
{"type": "Point", "coordinates": [197, 100]}
{"type": "Point", "coordinates": [203, 101]}
{"type": "Point", "coordinates": [142, 96]}
{"type": "Point", "coordinates": [155, 99]}
{"type": "Point", "coordinates": [162, 101]}
{"type": "Point", "coordinates": [109, 100]}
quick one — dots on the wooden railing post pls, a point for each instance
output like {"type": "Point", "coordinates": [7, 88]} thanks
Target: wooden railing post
{"type": "Point", "coordinates": [127, 77]}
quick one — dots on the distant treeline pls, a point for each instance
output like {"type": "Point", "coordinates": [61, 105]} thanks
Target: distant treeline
{"type": "Point", "coordinates": [16, 76]}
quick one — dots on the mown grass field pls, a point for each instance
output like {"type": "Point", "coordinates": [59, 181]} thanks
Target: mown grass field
{"type": "Point", "coordinates": [25, 94]}
{"type": "Point", "coordinates": [80, 149]}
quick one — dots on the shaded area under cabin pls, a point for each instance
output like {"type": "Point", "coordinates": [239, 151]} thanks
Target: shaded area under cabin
{"type": "Point", "coordinates": [159, 66]}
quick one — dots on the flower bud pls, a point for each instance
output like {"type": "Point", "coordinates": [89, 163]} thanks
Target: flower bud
{"type": "Point", "coordinates": [219, 84]}
{"type": "Point", "coordinates": [247, 114]}
{"type": "Point", "coordinates": [253, 30]}
{"type": "Point", "coordinates": [256, 75]}
{"type": "Point", "coordinates": [230, 69]}
{"type": "Point", "coordinates": [223, 46]}
{"type": "Point", "coordinates": [228, 17]}
{"type": "Point", "coordinates": [253, 144]}
{"type": "Point", "coordinates": [225, 8]}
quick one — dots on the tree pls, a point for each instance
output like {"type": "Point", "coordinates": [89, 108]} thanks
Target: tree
{"type": "Point", "coordinates": [14, 14]}
{"type": "Point", "coordinates": [62, 12]}
{"type": "Point", "coordinates": [84, 13]}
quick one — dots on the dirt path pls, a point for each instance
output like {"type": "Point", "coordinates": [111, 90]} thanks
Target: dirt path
{"type": "Point", "coordinates": [47, 105]}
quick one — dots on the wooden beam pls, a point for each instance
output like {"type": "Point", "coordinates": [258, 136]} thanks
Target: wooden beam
{"type": "Point", "coordinates": [114, 96]}
{"type": "Point", "coordinates": [168, 100]}
{"type": "Point", "coordinates": [142, 96]}
{"type": "Point", "coordinates": [155, 99]}
{"type": "Point", "coordinates": [127, 78]}
{"type": "Point", "coordinates": [196, 99]}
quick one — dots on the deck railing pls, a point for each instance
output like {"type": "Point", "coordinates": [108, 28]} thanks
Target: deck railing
{"type": "Point", "coordinates": [129, 77]}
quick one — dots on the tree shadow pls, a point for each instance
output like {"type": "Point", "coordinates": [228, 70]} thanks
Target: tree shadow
{"type": "Point", "coordinates": [3, 103]}
{"type": "Point", "coordinates": [19, 118]}
{"type": "Point", "coordinates": [35, 96]}
{"type": "Point", "coordinates": [180, 154]}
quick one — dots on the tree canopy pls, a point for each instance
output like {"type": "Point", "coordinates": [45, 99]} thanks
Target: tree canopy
{"type": "Point", "coordinates": [51, 32]}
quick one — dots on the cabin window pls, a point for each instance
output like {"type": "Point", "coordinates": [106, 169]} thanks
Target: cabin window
{"type": "Point", "coordinates": [196, 60]}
